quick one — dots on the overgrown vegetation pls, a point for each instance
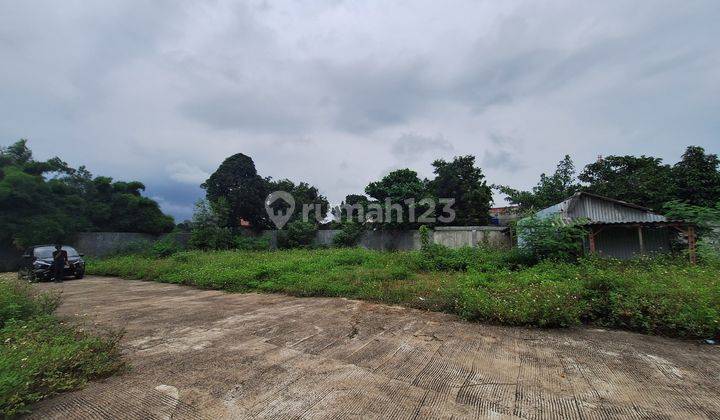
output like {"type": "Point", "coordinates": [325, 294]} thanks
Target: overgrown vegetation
{"type": "Point", "coordinates": [550, 238]}
{"type": "Point", "coordinates": [656, 296]}
{"type": "Point", "coordinates": [349, 234]}
{"type": "Point", "coordinates": [40, 355]}
{"type": "Point", "coordinates": [49, 201]}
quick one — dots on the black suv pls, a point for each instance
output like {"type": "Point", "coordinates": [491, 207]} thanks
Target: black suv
{"type": "Point", "coordinates": [38, 260]}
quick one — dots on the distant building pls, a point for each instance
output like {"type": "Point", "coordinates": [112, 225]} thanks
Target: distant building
{"type": "Point", "coordinates": [618, 229]}
{"type": "Point", "coordinates": [502, 216]}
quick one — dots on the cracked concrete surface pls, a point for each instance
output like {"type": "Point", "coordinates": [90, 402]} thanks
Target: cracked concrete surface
{"type": "Point", "coordinates": [208, 354]}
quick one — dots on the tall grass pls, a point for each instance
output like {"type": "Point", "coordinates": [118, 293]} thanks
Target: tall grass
{"type": "Point", "coordinates": [41, 356]}
{"type": "Point", "coordinates": [657, 296]}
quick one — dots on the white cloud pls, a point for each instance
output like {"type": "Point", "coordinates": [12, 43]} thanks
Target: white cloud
{"type": "Point", "coordinates": [186, 173]}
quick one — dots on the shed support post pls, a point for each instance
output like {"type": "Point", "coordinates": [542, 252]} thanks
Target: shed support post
{"type": "Point", "coordinates": [591, 238]}
{"type": "Point", "coordinates": [640, 238]}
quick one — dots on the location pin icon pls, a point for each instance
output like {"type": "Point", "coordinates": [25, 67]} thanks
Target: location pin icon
{"type": "Point", "coordinates": [279, 217]}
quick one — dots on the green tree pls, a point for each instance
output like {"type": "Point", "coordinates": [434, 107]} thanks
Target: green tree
{"type": "Point", "coordinates": [48, 201]}
{"type": "Point", "coordinates": [303, 194]}
{"type": "Point", "coordinates": [352, 209]}
{"type": "Point", "coordinates": [643, 180]}
{"type": "Point", "coordinates": [298, 234]}
{"type": "Point", "coordinates": [697, 177]}
{"type": "Point", "coordinates": [550, 238]}
{"type": "Point", "coordinates": [237, 181]}
{"type": "Point", "coordinates": [208, 230]}
{"type": "Point", "coordinates": [465, 183]}
{"type": "Point", "coordinates": [549, 191]}
{"type": "Point", "coordinates": [397, 188]}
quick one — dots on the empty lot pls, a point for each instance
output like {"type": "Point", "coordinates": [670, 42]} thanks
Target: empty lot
{"type": "Point", "coordinates": [209, 354]}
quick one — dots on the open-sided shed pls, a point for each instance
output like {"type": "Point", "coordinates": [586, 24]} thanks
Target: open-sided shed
{"type": "Point", "coordinates": [619, 229]}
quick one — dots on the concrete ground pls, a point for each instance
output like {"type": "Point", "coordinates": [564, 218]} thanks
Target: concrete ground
{"type": "Point", "coordinates": [208, 354]}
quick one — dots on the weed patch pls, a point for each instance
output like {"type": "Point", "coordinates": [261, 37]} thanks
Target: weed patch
{"type": "Point", "coordinates": [655, 296]}
{"type": "Point", "coordinates": [41, 356]}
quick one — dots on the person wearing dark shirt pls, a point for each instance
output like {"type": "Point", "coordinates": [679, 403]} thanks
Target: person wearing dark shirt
{"type": "Point", "coordinates": [60, 258]}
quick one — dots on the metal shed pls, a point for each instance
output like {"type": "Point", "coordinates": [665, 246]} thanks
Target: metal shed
{"type": "Point", "coordinates": [618, 229]}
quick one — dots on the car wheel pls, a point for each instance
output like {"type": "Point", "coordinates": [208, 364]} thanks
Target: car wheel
{"type": "Point", "coordinates": [79, 274]}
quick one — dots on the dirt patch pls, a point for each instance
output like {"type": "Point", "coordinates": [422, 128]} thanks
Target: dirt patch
{"type": "Point", "coordinates": [208, 354]}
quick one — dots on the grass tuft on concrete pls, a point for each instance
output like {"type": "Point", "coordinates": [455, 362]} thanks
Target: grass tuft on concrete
{"type": "Point", "coordinates": [40, 355]}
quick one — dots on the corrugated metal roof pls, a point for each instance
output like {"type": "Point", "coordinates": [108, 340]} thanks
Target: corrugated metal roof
{"type": "Point", "coordinates": [600, 210]}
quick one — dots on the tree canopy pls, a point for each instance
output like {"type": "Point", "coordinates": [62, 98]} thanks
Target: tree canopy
{"type": "Point", "coordinates": [643, 180]}
{"type": "Point", "coordinates": [697, 177]}
{"type": "Point", "coordinates": [550, 190]}
{"type": "Point", "coordinates": [236, 180]}
{"type": "Point", "coordinates": [465, 183]}
{"type": "Point", "coordinates": [304, 194]}
{"type": "Point", "coordinates": [48, 201]}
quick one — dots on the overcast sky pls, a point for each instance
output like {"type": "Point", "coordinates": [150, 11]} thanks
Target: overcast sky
{"type": "Point", "coordinates": [338, 93]}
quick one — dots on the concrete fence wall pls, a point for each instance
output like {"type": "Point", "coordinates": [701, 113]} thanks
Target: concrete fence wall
{"type": "Point", "coordinates": [460, 236]}
{"type": "Point", "coordinates": [100, 244]}
{"type": "Point", "coordinates": [452, 237]}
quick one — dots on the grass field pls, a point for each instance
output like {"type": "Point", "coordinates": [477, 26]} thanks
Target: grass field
{"type": "Point", "coordinates": [40, 355]}
{"type": "Point", "coordinates": [655, 296]}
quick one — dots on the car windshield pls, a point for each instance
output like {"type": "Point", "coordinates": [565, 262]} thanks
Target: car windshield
{"type": "Point", "coordinates": [44, 252]}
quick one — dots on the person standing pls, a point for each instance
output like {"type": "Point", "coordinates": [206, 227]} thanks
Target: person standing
{"type": "Point", "coordinates": [60, 258]}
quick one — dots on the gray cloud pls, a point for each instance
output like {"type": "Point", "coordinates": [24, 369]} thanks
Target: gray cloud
{"type": "Point", "coordinates": [501, 159]}
{"type": "Point", "coordinates": [318, 90]}
{"type": "Point", "coordinates": [411, 146]}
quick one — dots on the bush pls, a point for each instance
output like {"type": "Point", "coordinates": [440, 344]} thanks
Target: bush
{"type": "Point", "coordinates": [550, 238]}
{"type": "Point", "coordinates": [298, 234]}
{"type": "Point", "coordinates": [39, 356]}
{"type": "Point", "coordinates": [211, 238]}
{"type": "Point", "coordinates": [18, 300]}
{"type": "Point", "coordinates": [349, 235]}
{"type": "Point", "coordinates": [139, 247]}
{"type": "Point", "coordinates": [167, 245]}
{"type": "Point", "coordinates": [248, 243]}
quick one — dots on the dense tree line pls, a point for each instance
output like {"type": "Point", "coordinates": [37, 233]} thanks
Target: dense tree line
{"type": "Point", "coordinates": [43, 201]}
{"type": "Point", "coordinates": [236, 194]}
{"type": "Point", "coordinates": [48, 201]}
{"type": "Point", "coordinates": [644, 180]}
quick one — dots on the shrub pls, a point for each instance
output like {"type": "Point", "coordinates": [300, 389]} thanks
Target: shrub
{"type": "Point", "coordinates": [349, 235]}
{"type": "Point", "coordinates": [550, 238]}
{"type": "Point", "coordinates": [139, 247]}
{"type": "Point", "coordinates": [211, 238]}
{"type": "Point", "coordinates": [298, 234]}
{"type": "Point", "coordinates": [167, 245]}
{"type": "Point", "coordinates": [248, 243]}
{"type": "Point", "coordinates": [39, 356]}
{"type": "Point", "coordinates": [18, 300]}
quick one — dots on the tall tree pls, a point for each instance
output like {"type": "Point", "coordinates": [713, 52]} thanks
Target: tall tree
{"type": "Point", "coordinates": [237, 181]}
{"type": "Point", "coordinates": [465, 183]}
{"type": "Point", "coordinates": [397, 187]}
{"type": "Point", "coordinates": [48, 201]}
{"type": "Point", "coordinates": [303, 194]}
{"type": "Point", "coordinates": [697, 177]}
{"type": "Point", "coordinates": [549, 191]}
{"type": "Point", "coordinates": [643, 180]}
